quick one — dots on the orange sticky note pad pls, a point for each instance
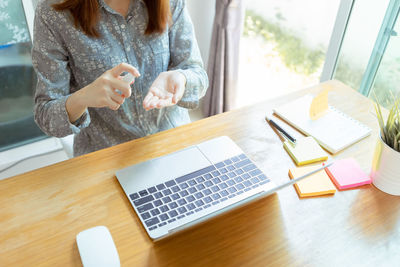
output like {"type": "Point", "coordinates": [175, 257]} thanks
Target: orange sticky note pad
{"type": "Point", "coordinates": [346, 173]}
{"type": "Point", "coordinates": [316, 184]}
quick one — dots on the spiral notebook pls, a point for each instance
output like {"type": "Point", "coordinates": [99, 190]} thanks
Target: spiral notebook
{"type": "Point", "coordinates": [334, 131]}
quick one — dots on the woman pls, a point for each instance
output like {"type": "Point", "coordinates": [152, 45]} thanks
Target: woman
{"type": "Point", "coordinates": [81, 50]}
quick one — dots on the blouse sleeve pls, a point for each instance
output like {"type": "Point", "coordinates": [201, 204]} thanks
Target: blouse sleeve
{"type": "Point", "coordinates": [50, 61]}
{"type": "Point", "coordinates": [185, 56]}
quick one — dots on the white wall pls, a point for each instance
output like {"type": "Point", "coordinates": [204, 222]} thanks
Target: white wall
{"type": "Point", "coordinates": [202, 13]}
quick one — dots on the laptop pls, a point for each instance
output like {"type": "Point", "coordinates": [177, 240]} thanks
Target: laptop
{"type": "Point", "coordinates": [187, 187]}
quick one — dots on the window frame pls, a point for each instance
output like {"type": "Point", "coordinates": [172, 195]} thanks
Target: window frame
{"type": "Point", "coordinates": [385, 33]}
{"type": "Point", "coordinates": [337, 37]}
{"type": "Point", "coordinates": [29, 11]}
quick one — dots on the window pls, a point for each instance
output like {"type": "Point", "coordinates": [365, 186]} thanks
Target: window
{"type": "Point", "coordinates": [18, 80]}
{"type": "Point", "coordinates": [386, 84]}
{"type": "Point", "coordinates": [368, 60]}
{"type": "Point", "coordinates": [283, 46]}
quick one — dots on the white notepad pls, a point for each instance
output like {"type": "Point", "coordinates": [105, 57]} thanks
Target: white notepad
{"type": "Point", "coordinates": [334, 130]}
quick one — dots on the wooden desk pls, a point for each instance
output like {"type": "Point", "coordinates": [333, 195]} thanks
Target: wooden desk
{"type": "Point", "coordinates": [42, 211]}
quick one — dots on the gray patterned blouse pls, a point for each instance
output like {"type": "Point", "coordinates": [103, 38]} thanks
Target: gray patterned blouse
{"type": "Point", "coordinates": [67, 60]}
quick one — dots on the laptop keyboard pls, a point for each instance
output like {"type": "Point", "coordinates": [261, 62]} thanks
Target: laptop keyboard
{"type": "Point", "coordinates": [177, 198]}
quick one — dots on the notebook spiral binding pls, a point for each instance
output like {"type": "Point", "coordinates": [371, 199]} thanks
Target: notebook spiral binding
{"type": "Point", "coordinates": [350, 118]}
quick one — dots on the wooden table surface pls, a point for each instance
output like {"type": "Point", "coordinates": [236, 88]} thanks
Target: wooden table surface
{"type": "Point", "coordinates": [43, 210]}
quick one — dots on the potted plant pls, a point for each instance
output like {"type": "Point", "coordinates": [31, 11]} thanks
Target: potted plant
{"type": "Point", "coordinates": [385, 171]}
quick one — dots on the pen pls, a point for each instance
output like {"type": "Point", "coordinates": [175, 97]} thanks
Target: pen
{"type": "Point", "coordinates": [298, 179]}
{"type": "Point", "coordinates": [281, 130]}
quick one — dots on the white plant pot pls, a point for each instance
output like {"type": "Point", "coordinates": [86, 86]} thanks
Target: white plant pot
{"type": "Point", "coordinates": [385, 172]}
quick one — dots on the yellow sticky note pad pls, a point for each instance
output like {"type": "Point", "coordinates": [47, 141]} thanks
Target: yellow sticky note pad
{"type": "Point", "coordinates": [316, 184]}
{"type": "Point", "coordinates": [306, 151]}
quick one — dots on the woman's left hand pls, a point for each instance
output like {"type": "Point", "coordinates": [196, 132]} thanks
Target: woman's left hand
{"type": "Point", "coordinates": [166, 90]}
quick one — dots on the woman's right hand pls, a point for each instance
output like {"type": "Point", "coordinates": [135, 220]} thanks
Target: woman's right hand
{"type": "Point", "coordinates": [103, 92]}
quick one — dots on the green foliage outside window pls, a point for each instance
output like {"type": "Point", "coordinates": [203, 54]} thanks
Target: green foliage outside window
{"type": "Point", "coordinates": [305, 60]}
{"type": "Point", "coordinates": [294, 53]}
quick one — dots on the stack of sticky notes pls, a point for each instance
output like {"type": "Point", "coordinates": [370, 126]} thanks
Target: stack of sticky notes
{"type": "Point", "coordinates": [315, 185]}
{"type": "Point", "coordinates": [346, 173]}
{"type": "Point", "coordinates": [305, 151]}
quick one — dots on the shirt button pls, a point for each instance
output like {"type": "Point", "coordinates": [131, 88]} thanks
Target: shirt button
{"type": "Point", "coordinates": [128, 48]}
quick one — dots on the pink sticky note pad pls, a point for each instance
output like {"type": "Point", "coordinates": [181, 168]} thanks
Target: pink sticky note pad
{"type": "Point", "coordinates": [346, 173]}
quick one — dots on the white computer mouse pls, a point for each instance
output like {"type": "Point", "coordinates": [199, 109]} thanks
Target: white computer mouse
{"type": "Point", "coordinates": [97, 248]}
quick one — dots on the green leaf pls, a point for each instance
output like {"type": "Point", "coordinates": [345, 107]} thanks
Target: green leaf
{"type": "Point", "coordinates": [390, 131]}
{"type": "Point", "coordinates": [397, 142]}
{"type": "Point", "coordinates": [380, 118]}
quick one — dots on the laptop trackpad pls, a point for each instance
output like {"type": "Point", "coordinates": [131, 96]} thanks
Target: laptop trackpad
{"type": "Point", "coordinates": [156, 171]}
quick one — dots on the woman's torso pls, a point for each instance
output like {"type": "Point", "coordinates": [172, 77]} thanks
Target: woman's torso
{"type": "Point", "coordinates": [122, 40]}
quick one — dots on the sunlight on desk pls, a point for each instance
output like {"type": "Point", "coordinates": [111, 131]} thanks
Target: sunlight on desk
{"type": "Point", "coordinates": [43, 210]}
